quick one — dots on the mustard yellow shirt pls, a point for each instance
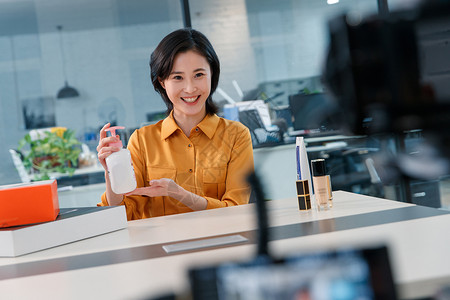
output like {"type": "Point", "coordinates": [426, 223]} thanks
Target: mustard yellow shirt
{"type": "Point", "coordinates": [213, 162]}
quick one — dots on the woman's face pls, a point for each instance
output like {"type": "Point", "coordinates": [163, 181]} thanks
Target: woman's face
{"type": "Point", "coordinates": [189, 85]}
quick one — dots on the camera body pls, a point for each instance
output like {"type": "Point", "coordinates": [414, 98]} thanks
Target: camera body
{"type": "Point", "coordinates": [392, 74]}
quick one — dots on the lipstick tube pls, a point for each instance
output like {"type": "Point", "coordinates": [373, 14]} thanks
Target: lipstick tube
{"type": "Point", "coordinates": [303, 195]}
{"type": "Point", "coordinates": [303, 182]}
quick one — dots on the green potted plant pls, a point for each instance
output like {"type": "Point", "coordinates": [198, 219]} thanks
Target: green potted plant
{"type": "Point", "coordinates": [53, 151]}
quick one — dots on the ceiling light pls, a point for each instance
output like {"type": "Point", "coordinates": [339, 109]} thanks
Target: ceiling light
{"type": "Point", "coordinates": [67, 91]}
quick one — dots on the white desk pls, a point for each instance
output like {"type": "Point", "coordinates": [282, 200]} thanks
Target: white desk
{"type": "Point", "coordinates": [130, 263]}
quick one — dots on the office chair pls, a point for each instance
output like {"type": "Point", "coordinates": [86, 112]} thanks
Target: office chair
{"type": "Point", "coordinates": [349, 172]}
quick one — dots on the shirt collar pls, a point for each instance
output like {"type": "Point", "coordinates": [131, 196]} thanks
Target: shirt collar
{"type": "Point", "coordinates": [168, 126]}
{"type": "Point", "coordinates": [208, 125]}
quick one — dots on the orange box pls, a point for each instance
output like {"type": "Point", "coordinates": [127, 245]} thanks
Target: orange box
{"type": "Point", "coordinates": [28, 203]}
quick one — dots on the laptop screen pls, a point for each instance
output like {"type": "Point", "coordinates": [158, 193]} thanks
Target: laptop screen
{"type": "Point", "coordinates": [309, 111]}
{"type": "Point", "coordinates": [251, 119]}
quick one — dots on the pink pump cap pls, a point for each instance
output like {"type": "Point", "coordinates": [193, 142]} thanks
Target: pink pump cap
{"type": "Point", "coordinates": [112, 130]}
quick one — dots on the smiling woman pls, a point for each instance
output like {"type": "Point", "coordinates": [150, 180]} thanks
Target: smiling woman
{"type": "Point", "coordinates": [168, 53]}
{"type": "Point", "coordinates": [191, 160]}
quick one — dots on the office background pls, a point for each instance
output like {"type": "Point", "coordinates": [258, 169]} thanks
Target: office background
{"type": "Point", "coordinates": [103, 49]}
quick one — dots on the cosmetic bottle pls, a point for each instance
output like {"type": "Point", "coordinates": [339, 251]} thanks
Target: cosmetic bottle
{"type": "Point", "coordinates": [322, 185]}
{"type": "Point", "coordinates": [303, 183]}
{"type": "Point", "coordinates": [120, 167]}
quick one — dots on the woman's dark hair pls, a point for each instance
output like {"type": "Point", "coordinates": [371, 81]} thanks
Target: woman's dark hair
{"type": "Point", "coordinates": [179, 41]}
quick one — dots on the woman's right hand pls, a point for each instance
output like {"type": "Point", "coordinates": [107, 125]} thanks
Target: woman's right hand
{"type": "Point", "coordinates": [103, 148]}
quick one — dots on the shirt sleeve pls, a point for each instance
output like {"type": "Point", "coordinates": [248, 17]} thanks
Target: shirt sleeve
{"type": "Point", "coordinates": [240, 166]}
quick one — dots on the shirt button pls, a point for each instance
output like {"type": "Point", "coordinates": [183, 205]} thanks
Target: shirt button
{"type": "Point", "coordinates": [196, 129]}
{"type": "Point", "coordinates": [190, 170]}
{"type": "Point", "coordinates": [189, 145]}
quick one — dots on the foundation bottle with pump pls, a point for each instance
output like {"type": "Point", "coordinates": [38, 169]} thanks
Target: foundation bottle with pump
{"type": "Point", "coordinates": [322, 185]}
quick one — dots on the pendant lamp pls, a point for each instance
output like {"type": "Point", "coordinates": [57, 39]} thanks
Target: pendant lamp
{"type": "Point", "coordinates": [66, 91]}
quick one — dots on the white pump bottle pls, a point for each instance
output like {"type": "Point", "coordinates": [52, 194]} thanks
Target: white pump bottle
{"type": "Point", "coordinates": [120, 167]}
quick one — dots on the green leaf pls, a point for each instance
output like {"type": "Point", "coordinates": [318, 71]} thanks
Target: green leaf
{"type": "Point", "coordinates": [61, 153]}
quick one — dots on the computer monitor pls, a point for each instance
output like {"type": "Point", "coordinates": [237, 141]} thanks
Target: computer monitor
{"type": "Point", "coordinates": [254, 114]}
{"type": "Point", "coordinates": [309, 112]}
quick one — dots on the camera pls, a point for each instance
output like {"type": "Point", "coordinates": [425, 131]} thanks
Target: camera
{"type": "Point", "coordinates": [391, 74]}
